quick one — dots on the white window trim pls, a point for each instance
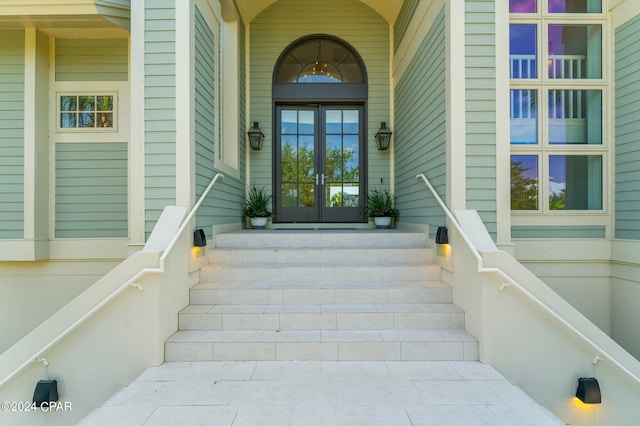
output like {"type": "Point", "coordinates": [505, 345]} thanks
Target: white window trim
{"type": "Point", "coordinates": [120, 130]}
{"type": "Point", "coordinates": [114, 111]}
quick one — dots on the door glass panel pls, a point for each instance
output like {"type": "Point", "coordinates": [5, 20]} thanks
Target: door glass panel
{"type": "Point", "coordinates": [342, 158]}
{"type": "Point", "coordinates": [297, 157]}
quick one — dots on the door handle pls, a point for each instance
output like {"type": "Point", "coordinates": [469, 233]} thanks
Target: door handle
{"type": "Point", "coordinates": [317, 180]}
{"type": "Point", "coordinates": [324, 179]}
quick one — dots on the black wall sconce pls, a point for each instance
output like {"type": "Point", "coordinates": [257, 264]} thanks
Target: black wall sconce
{"type": "Point", "coordinates": [199, 239]}
{"type": "Point", "coordinates": [383, 137]}
{"type": "Point", "coordinates": [256, 137]}
{"type": "Point", "coordinates": [588, 390]}
{"type": "Point", "coordinates": [46, 392]}
{"type": "Point", "coordinates": [442, 235]}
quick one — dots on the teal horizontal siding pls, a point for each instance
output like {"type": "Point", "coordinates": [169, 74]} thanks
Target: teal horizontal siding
{"type": "Point", "coordinates": [160, 108]}
{"type": "Point", "coordinates": [481, 110]}
{"type": "Point", "coordinates": [627, 147]}
{"type": "Point", "coordinates": [420, 133]}
{"type": "Point", "coordinates": [12, 134]}
{"type": "Point", "coordinates": [103, 59]}
{"type": "Point", "coordinates": [91, 190]}
{"type": "Point", "coordinates": [558, 231]}
{"type": "Point", "coordinates": [206, 86]}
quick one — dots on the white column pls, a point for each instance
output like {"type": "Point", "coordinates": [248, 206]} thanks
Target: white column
{"type": "Point", "coordinates": [137, 134]}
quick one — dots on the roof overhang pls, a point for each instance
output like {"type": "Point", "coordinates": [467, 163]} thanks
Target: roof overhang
{"type": "Point", "coordinates": [65, 15]}
{"type": "Point", "coordinates": [388, 9]}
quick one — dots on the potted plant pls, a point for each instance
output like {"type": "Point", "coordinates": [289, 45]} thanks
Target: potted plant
{"type": "Point", "coordinates": [380, 207]}
{"type": "Point", "coordinates": [256, 207]}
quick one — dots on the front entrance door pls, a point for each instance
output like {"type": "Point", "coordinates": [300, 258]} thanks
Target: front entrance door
{"type": "Point", "coordinates": [319, 163]}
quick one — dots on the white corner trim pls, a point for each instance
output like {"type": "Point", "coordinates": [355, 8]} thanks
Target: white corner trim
{"type": "Point", "coordinates": [185, 129]}
{"type": "Point", "coordinates": [136, 150]}
{"type": "Point", "coordinates": [30, 116]}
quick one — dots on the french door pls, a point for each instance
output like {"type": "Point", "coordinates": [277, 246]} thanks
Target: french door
{"type": "Point", "coordinates": [319, 163]}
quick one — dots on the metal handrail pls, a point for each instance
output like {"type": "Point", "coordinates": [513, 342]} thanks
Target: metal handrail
{"type": "Point", "coordinates": [514, 283]}
{"type": "Point", "coordinates": [131, 282]}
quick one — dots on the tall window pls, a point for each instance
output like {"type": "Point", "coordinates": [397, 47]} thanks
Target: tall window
{"type": "Point", "coordinates": [558, 86]}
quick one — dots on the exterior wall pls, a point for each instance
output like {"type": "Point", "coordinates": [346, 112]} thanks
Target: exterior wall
{"type": "Point", "coordinates": [92, 59]}
{"type": "Point", "coordinates": [224, 204]}
{"type": "Point", "coordinates": [30, 292]}
{"type": "Point", "coordinates": [91, 168]}
{"type": "Point", "coordinates": [206, 117]}
{"type": "Point", "coordinates": [625, 270]}
{"type": "Point", "coordinates": [627, 147]}
{"type": "Point", "coordinates": [91, 190]}
{"type": "Point", "coordinates": [420, 131]}
{"type": "Point", "coordinates": [12, 134]}
{"type": "Point", "coordinates": [286, 21]}
{"type": "Point", "coordinates": [160, 108]}
{"type": "Point", "coordinates": [480, 72]}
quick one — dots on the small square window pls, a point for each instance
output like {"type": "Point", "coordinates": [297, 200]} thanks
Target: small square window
{"type": "Point", "coordinates": [86, 111]}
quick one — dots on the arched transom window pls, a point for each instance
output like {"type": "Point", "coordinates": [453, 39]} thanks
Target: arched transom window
{"type": "Point", "coordinates": [320, 59]}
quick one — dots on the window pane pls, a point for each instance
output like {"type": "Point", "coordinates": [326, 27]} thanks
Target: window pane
{"type": "Point", "coordinates": [87, 103]}
{"type": "Point", "coordinates": [306, 121]}
{"type": "Point", "coordinates": [575, 117]}
{"type": "Point", "coordinates": [522, 6]}
{"type": "Point", "coordinates": [575, 182]}
{"type": "Point", "coordinates": [105, 119]}
{"type": "Point", "coordinates": [575, 51]}
{"type": "Point", "coordinates": [68, 103]}
{"type": "Point", "coordinates": [524, 117]}
{"type": "Point", "coordinates": [68, 121]}
{"type": "Point", "coordinates": [575, 6]}
{"type": "Point", "coordinates": [524, 182]}
{"type": "Point", "coordinates": [86, 119]}
{"type": "Point", "coordinates": [289, 122]}
{"type": "Point", "coordinates": [334, 122]}
{"type": "Point", "coordinates": [104, 103]}
{"type": "Point", "coordinates": [522, 51]}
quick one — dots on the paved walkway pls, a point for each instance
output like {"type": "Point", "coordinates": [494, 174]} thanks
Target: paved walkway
{"type": "Point", "coordinates": [321, 393]}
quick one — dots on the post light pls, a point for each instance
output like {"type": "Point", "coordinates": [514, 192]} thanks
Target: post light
{"type": "Point", "coordinates": [255, 137]}
{"type": "Point", "coordinates": [383, 137]}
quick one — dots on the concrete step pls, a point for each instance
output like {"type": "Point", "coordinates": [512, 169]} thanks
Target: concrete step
{"type": "Point", "coordinates": [319, 293]}
{"type": "Point", "coordinates": [322, 345]}
{"type": "Point", "coordinates": [322, 256]}
{"type": "Point", "coordinates": [320, 239]}
{"type": "Point", "coordinates": [305, 274]}
{"type": "Point", "coordinates": [322, 317]}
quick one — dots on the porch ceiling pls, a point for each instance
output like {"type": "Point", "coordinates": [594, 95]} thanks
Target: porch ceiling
{"type": "Point", "coordinates": [388, 9]}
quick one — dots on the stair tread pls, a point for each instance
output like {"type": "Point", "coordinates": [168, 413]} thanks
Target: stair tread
{"type": "Point", "coordinates": [328, 308]}
{"type": "Point", "coordinates": [310, 336]}
{"type": "Point", "coordinates": [411, 285]}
